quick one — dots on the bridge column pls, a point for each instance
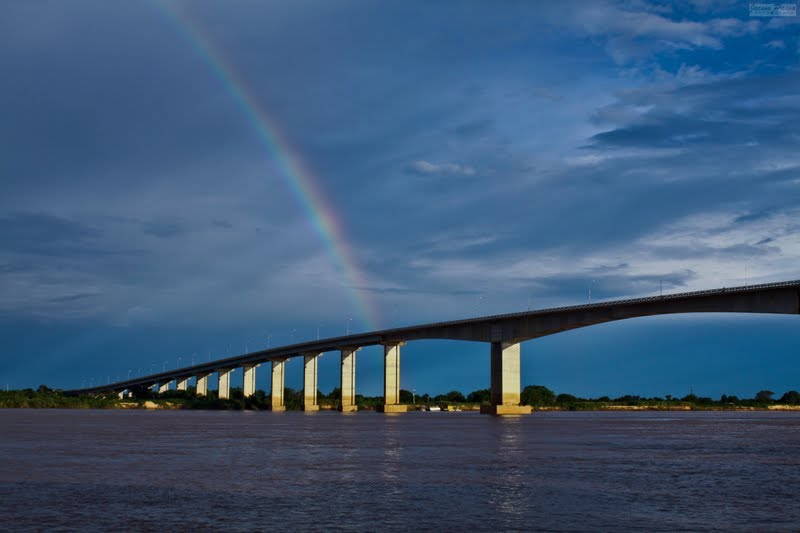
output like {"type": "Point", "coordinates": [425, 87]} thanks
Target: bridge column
{"type": "Point", "coordinates": [181, 383]}
{"type": "Point", "coordinates": [163, 387]}
{"type": "Point", "coordinates": [505, 388]}
{"type": "Point", "coordinates": [310, 382]}
{"type": "Point", "coordinates": [348, 381]}
{"type": "Point", "coordinates": [391, 380]}
{"type": "Point", "coordinates": [249, 380]}
{"type": "Point", "coordinates": [225, 383]}
{"type": "Point", "coordinates": [202, 385]}
{"type": "Point", "coordinates": [278, 385]}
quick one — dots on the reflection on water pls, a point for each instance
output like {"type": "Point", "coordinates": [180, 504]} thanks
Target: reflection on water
{"type": "Point", "coordinates": [509, 493]}
{"type": "Point", "coordinates": [139, 470]}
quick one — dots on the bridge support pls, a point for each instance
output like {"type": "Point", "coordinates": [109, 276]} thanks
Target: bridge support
{"type": "Point", "coordinates": [310, 382]}
{"type": "Point", "coordinates": [391, 380]}
{"type": "Point", "coordinates": [202, 385]}
{"type": "Point", "coordinates": [163, 387]}
{"type": "Point", "coordinates": [181, 383]}
{"type": "Point", "coordinates": [249, 380]}
{"type": "Point", "coordinates": [348, 380]}
{"type": "Point", "coordinates": [225, 383]}
{"type": "Point", "coordinates": [278, 385]}
{"type": "Point", "coordinates": [505, 387]}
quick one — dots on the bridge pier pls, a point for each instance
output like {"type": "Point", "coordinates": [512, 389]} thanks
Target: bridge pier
{"type": "Point", "coordinates": [505, 386]}
{"type": "Point", "coordinates": [224, 383]}
{"type": "Point", "coordinates": [249, 380]}
{"type": "Point", "coordinates": [348, 380]}
{"type": "Point", "coordinates": [181, 383]}
{"type": "Point", "coordinates": [163, 387]}
{"type": "Point", "coordinates": [278, 385]}
{"type": "Point", "coordinates": [391, 380]}
{"type": "Point", "coordinates": [202, 385]}
{"type": "Point", "coordinates": [310, 382]}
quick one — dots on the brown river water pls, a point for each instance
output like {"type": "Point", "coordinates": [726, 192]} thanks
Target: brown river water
{"type": "Point", "coordinates": [132, 470]}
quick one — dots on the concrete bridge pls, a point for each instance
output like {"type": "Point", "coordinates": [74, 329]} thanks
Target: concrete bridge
{"type": "Point", "coordinates": [504, 333]}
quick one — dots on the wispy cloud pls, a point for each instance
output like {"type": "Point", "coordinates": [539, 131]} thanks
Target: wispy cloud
{"type": "Point", "coordinates": [440, 169]}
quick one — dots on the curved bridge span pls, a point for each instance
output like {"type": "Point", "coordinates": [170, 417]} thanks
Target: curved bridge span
{"type": "Point", "coordinates": [503, 332]}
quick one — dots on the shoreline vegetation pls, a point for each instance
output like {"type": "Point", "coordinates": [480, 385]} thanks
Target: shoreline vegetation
{"type": "Point", "coordinates": [538, 396]}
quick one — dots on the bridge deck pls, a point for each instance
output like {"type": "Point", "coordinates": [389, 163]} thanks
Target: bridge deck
{"type": "Point", "coordinates": [781, 297]}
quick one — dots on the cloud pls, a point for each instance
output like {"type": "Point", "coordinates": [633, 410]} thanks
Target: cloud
{"type": "Point", "coordinates": [638, 31]}
{"type": "Point", "coordinates": [440, 169]}
{"type": "Point", "coordinates": [776, 44]}
{"type": "Point", "coordinates": [726, 112]}
{"type": "Point", "coordinates": [163, 228]}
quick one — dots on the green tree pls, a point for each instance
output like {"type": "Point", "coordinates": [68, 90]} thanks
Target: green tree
{"type": "Point", "coordinates": [537, 395]}
{"type": "Point", "coordinates": [566, 398]}
{"type": "Point", "coordinates": [764, 396]}
{"type": "Point", "coordinates": [455, 396]}
{"type": "Point", "coordinates": [792, 398]}
{"type": "Point", "coordinates": [479, 396]}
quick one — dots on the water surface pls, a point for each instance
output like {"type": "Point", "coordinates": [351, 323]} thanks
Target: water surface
{"type": "Point", "coordinates": [160, 470]}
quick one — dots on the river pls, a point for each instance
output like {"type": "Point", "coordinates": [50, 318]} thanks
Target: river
{"type": "Point", "coordinates": [136, 470]}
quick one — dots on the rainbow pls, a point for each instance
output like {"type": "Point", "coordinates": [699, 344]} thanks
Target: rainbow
{"type": "Point", "coordinates": [295, 173]}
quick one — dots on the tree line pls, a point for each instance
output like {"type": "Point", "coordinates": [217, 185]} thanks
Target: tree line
{"type": "Point", "coordinates": [534, 395]}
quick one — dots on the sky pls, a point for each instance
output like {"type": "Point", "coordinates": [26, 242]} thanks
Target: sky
{"type": "Point", "coordinates": [187, 180]}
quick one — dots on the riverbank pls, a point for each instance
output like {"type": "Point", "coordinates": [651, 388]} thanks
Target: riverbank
{"type": "Point", "coordinates": [48, 398]}
{"type": "Point", "coordinates": [230, 405]}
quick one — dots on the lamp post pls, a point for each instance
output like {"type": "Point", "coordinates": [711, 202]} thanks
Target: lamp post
{"type": "Point", "coordinates": [590, 290]}
{"type": "Point", "coordinates": [348, 325]}
{"type": "Point", "coordinates": [179, 362]}
{"type": "Point", "coordinates": [269, 336]}
{"type": "Point", "coordinates": [129, 374]}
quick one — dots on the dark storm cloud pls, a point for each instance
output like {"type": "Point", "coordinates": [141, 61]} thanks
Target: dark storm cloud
{"type": "Point", "coordinates": [730, 112]}
{"type": "Point", "coordinates": [474, 128]}
{"type": "Point", "coordinates": [163, 229]}
{"type": "Point", "coordinates": [45, 234]}
{"type": "Point", "coordinates": [224, 224]}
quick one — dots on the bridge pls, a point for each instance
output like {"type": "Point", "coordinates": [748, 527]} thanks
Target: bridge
{"type": "Point", "coordinates": [504, 333]}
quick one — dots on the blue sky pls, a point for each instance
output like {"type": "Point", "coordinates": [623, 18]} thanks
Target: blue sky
{"type": "Point", "coordinates": [477, 157]}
